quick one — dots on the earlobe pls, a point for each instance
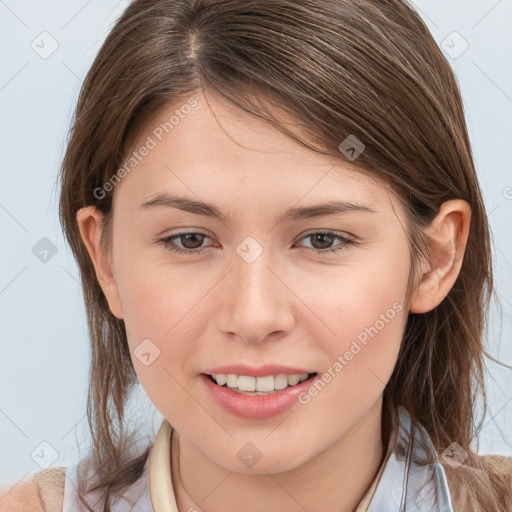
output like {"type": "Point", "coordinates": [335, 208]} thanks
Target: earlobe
{"type": "Point", "coordinates": [90, 224]}
{"type": "Point", "coordinates": [447, 239]}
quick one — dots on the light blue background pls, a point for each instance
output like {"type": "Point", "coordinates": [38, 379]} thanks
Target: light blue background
{"type": "Point", "coordinates": [44, 342]}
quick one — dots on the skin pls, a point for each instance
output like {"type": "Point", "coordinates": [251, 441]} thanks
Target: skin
{"type": "Point", "coordinates": [289, 306]}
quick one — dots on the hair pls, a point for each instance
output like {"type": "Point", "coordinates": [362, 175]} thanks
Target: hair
{"type": "Point", "coordinates": [365, 68]}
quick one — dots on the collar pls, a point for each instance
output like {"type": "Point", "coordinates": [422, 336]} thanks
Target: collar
{"type": "Point", "coordinates": [412, 478]}
{"type": "Point", "coordinates": [160, 482]}
{"type": "Point", "coordinates": [409, 479]}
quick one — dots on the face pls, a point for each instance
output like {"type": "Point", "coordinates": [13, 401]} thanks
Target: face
{"type": "Point", "coordinates": [322, 293]}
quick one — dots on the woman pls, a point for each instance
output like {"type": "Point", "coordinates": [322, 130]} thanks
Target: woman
{"type": "Point", "coordinates": [282, 237]}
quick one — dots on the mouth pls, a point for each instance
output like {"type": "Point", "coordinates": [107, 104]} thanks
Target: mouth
{"type": "Point", "coordinates": [266, 385]}
{"type": "Point", "coordinates": [257, 398]}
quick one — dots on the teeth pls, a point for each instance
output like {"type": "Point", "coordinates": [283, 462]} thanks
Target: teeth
{"type": "Point", "coordinates": [267, 384]}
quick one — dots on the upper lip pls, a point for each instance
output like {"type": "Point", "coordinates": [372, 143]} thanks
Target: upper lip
{"type": "Point", "coordinates": [261, 371]}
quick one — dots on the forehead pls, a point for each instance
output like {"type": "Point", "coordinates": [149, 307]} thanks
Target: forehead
{"type": "Point", "coordinates": [208, 147]}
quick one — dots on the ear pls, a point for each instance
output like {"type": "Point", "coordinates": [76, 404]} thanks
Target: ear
{"type": "Point", "coordinates": [448, 234]}
{"type": "Point", "coordinates": [90, 223]}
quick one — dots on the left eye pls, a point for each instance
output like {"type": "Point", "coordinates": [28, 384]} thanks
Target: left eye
{"type": "Point", "coordinates": [195, 240]}
{"type": "Point", "coordinates": [323, 237]}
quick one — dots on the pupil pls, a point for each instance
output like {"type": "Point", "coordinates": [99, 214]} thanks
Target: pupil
{"type": "Point", "coordinates": [323, 236]}
{"type": "Point", "coordinates": [190, 236]}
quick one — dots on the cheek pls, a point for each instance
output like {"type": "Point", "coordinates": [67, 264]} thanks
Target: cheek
{"type": "Point", "coordinates": [363, 317]}
{"type": "Point", "coordinates": [161, 339]}
{"type": "Point", "coordinates": [164, 312]}
{"type": "Point", "coordinates": [158, 299]}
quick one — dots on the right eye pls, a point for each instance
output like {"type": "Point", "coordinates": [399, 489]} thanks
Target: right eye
{"type": "Point", "coordinates": [193, 238]}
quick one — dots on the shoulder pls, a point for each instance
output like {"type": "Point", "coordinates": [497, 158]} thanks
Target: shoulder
{"type": "Point", "coordinates": [21, 497]}
{"type": "Point", "coordinates": [42, 492]}
{"type": "Point", "coordinates": [499, 467]}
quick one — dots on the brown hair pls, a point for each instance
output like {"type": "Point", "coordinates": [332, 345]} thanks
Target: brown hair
{"type": "Point", "coordinates": [339, 67]}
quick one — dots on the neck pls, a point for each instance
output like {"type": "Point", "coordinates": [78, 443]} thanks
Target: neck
{"type": "Point", "coordinates": [333, 481]}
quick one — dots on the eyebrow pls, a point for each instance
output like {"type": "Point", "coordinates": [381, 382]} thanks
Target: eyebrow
{"type": "Point", "coordinates": [306, 212]}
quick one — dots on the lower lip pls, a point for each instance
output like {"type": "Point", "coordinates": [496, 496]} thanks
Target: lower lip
{"type": "Point", "coordinates": [256, 407]}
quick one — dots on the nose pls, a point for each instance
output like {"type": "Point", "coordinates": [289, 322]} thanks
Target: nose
{"type": "Point", "coordinates": [256, 301]}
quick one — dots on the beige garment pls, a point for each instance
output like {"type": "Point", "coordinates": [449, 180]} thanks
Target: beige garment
{"type": "Point", "coordinates": [50, 484]}
{"type": "Point", "coordinates": [42, 492]}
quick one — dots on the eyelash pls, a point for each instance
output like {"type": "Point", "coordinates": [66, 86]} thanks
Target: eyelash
{"type": "Point", "coordinates": [346, 243]}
